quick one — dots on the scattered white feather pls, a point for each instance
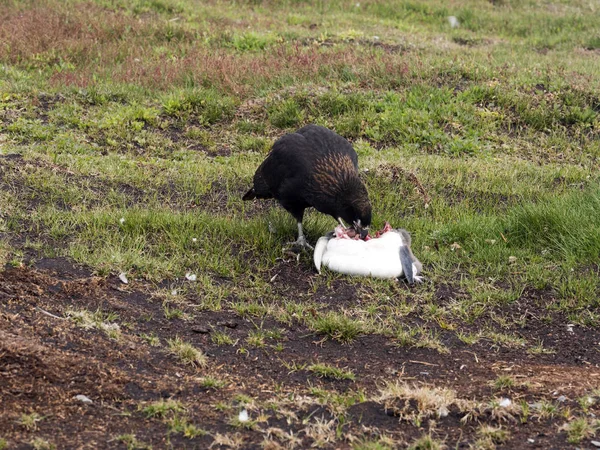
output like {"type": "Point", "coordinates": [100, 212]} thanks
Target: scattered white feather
{"type": "Point", "coordinates": [505, 402]}
{"type": "Point", "coordinates": [194, 240]}
{"type": "Point", "coordinates": [243, 417]}
{"type": "Point", "coordinates": [123, 277]}
{"type": "Point", "coordinates": [174, 292]}
{"type": "Point", "coordinates": [122, 220]}
{"type": "Point", "coordinates": [453, 21]}
{"type": "Point", "coordinates": [190, 276]}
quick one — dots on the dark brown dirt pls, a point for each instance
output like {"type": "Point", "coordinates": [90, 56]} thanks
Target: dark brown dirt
{"type": "Point", "coordinates": [46, 360]}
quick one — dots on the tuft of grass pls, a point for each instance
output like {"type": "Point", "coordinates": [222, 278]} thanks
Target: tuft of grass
{"type": "Point", "coordinates": [132, 443]}
{"type": "Point", "coordinates": [580, 429]}
{"type": "Point", "coordinates": [97, 319]}
{"type": "Point", "coordinates": [503, 382]}
{"type": "Point", "coordinates": [42, 444]}
{"type": "Point", "coordinates": [337, 326]}
{"type": "Point", "coordinates": [209, 382]}
{"type": "Point", "coordinates": [162, 408]}
{"type": "Point", "coordinates": [495, 435]}
{"type": "Point", "coordinates": [221, 338]}
{"type": "Point", "coordinates": [180, 424]}
{"type": "Point", "coordinates": [30, 421]}
{"type": "Point", "coordinates": [187, 353]}
{"type": "Point", "coordinates": [426, 442]}
{"type": "Point", "coordinates": [415, 403]}
{"type": "Point", "coordinates": [331, 372]}
{"type": "Point", "coordinates": [172, 313]}
{"type": "Point", "coordinates": [152, 339]}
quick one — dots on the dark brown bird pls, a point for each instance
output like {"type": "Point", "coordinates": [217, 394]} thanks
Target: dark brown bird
{"type": "Point", "coordinates": [314, 167]}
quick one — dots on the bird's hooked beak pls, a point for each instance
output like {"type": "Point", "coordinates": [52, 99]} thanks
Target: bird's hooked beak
{"type": "Point", "coordinates": [362, 231]}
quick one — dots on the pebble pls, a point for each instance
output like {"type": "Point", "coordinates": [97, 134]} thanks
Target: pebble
{"type": "Point", "coordinates": [505, 402]}
{"type": "Point", "coordinates": [123, 278]}
{"type": "Point", "coordinates": [84, 399]}
{"type": "Point", "coordinates": [596, 443]}
{"type": "Point", "coordinates": [200, 329]}
{"type": "Point", "coordinates": [561, 399]}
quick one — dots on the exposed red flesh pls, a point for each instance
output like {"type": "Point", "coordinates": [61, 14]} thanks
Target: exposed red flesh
{"type": "Point", "coordinates": [351, 233]}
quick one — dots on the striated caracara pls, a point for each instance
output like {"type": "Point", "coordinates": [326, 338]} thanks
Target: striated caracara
{"type": "Point", "coordinates": [314, 167]}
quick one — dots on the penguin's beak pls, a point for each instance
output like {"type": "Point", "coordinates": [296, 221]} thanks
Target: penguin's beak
{"type": "Point", "coordinates": [362, 231]}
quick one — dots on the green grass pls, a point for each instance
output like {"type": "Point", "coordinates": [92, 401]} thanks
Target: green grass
{"type": "Point", "coordinates": [187, 353]}
{"type": "Point", "coordinates": [335, 373]}
{"type": "Point", "coordinates": [161, 408]}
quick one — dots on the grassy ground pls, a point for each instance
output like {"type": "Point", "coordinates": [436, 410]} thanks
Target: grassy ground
{"type": "Point", "coordinates": [129, 129]}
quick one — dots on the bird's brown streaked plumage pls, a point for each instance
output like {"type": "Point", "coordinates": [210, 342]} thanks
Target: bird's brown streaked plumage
{"type": "Point", "coordinates": [314, 167]}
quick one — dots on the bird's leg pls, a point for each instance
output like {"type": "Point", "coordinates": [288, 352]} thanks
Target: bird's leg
{"type": "Point", "coordinates": [301, 241]}
{"type": "Point", "coordinates": [299, 244]}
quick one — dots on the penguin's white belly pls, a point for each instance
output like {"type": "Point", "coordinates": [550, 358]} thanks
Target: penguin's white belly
{"type": "Point", "coordinates": [378, 258]}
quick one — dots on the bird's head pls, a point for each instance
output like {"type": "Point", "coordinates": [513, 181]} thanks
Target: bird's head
{"type": "Point", "coordinates": [358, 214]}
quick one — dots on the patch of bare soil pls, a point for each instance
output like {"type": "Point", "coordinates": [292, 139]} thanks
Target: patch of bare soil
{"type": "Point", "coordinates": [47, 359]}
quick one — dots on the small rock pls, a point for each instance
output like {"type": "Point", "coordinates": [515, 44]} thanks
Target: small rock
{"type": "Point", "coordinates": [561, 399]}
{"type": "Point", "coordinates": [243, 417]}
{"type": "Point", "coordinates": [228, 324]}
{"type": "Point", "coordinates": [123, 278]}
{"type": "Point", "coordinates": [83, 399]}
{"type": "Point", "coordinates": [200, 329]}
{"type": "Point", "coordinates": [595, 443]}
{"type": "Point", "coordinates": [531, 441]}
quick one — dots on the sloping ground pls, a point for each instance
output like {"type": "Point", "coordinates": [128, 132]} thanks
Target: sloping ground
{"type": "Point", "coordinates": [48, 356]}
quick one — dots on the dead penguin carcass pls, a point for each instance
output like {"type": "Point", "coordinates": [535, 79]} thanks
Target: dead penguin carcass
{"type": "Point", "coordinates": [387, 255]}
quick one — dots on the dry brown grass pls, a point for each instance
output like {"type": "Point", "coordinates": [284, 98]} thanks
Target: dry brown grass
{"type": "Point", "coordinates": [60, 31]}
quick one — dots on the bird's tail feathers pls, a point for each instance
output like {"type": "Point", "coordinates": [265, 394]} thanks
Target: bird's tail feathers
{"type": "Point", "coordinates": [250, 195]}
{"type": "Point", "coordinates": [407, 264]}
